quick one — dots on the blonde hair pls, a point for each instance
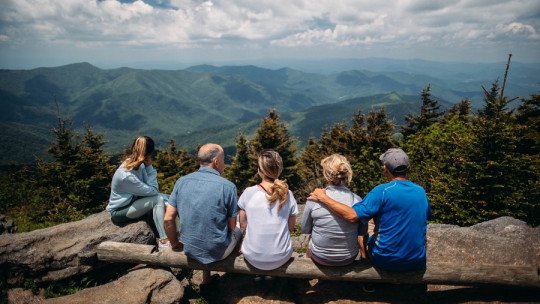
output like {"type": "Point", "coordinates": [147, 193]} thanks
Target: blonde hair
{"type": "Point", "coordinates": [337, 170]}
{"type": "Point", "coordinates": [142, 147]}
{"type": "Point", "coordinates": [271, 166]}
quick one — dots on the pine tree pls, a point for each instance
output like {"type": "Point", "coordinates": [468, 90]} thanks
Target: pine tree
{"type": "Point", "coordinates": [379, 131]}
{"type": "Point", "coordinates": [172, 163]}
{"type": "Point", "coordinates": [273, 134]}
{"type": "Point", "coordinates": [429, 114]}
{"type": "Point", "coordinates": [241, 169]}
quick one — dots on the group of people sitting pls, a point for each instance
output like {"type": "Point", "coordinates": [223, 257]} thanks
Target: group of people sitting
{"type": "Point", "coordinates": [204, 218]}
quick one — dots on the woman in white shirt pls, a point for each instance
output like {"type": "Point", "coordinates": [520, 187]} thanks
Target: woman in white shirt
{"type": "Point", "coordinates": [268, 215]}
{"type": "Point", "coordinates": [135, 190]}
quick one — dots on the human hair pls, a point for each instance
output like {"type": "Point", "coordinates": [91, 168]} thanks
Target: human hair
{"type": "Point", "coordinates": [207, 153]}
{"type": "Point", "coordinates": [271, 166]}
{"type": "Point", "coordinates": [337, 170]}
{"type": "Point", "coordinates": [142, 147]}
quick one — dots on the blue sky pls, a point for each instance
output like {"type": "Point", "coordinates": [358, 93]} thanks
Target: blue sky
{"type": "Point", "coordinates": [112, 33]}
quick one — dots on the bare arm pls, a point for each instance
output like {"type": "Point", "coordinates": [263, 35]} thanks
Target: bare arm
{"type": "Point", "coordinates": [291, 222]}
{"type": "Point", "coordinates": [232, 223]}
{"type": "Point", "coordinates": [336, 207]}
{"type": "Point", "coordinates": [243, 220]}
{"type": "Point", "coordinates": [170, 226]}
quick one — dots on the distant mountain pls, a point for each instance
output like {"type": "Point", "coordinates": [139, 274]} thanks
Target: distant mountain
{"type": "Point", "coordinates": [198, 104]}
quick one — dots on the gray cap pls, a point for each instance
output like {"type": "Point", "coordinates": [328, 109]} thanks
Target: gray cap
{"type": "Point", "coordinates": [395, 160]}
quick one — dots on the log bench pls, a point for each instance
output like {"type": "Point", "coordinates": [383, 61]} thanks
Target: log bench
{"type": "Point", "coordinates": [301, 267]}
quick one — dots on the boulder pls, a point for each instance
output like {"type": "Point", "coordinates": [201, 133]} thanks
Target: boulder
{"type": "Point", "coordinates": [503, 241]}
{"type": "Point", "coordinates": [140, 285]}
{"type": "Point", "coordinates": [65, 250]}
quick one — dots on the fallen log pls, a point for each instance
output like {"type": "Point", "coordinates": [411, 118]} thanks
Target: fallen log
{"type": "Point", "coordinates": [300, 267]}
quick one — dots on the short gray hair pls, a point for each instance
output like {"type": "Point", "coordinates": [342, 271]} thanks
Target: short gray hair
{"type": "Point", "coordinates": [209, 152]}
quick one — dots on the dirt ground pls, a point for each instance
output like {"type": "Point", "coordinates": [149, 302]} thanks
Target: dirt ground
{"type": "Point", "coordinates": [245, 289]}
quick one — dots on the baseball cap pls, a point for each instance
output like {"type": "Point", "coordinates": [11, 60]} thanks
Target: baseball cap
{"type": "Point", "coordinates": [395, 160]}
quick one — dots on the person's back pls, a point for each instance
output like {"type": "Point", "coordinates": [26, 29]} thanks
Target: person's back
{"type": "Point", "coordinates": [267, 243]}
{"type": "Point", "coordinates": [268, 214]}
{"type": "Point", "coordinates": [205, 203]}
{"type": "Point", "coordinates": [400, 209]}
{"type": "Point", "coordinates": [334, 241]}
{"type": "Point", "coordinates": [400, 232]}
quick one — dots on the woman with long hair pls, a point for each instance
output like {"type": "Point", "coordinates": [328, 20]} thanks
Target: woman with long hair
{"type": "Point", "coordinates": [334, 241]}
{"type": "Point", "coordinates": [268, 215]}
{"type": "Point", "coordinates": [135, 190]}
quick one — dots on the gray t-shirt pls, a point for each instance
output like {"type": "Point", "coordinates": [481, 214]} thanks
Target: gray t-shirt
{"type": "Point", "coordinates": [333, 239]}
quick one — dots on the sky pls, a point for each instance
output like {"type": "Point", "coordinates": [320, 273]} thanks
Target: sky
{"type": "Point", "coordinates": [112, 33]}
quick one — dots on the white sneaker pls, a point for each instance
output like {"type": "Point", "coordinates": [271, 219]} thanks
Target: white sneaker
{"type": "Point", "coordinates": [163, 243]}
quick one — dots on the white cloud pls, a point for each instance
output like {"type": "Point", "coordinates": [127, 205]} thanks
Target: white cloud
{"type": "Point", "coordinates": [287, 24]}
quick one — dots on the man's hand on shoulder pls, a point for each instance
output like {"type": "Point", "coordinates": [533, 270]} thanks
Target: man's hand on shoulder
{"type": "Point", "coordinates": [319, 195]}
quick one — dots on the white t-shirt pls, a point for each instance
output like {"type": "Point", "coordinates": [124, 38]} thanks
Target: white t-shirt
{"type": "Point", "coordinates": [267, 243]}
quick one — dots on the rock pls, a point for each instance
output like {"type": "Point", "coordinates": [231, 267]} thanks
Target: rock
{"type": "Point", "coordinates": [140, 285]}
{"type": "Point", "coordinates": [505, 241]}
{"type": "Point", "coordinates": [65, 250]}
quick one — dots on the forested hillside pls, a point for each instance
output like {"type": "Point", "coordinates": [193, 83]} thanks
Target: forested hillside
{"type": "Point", "coordinates": [207, 103]}
{"type": "Point", "coordinates": [475, 165]}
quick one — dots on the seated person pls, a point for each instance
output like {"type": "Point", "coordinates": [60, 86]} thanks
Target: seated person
{"type": "Point", "coordinates": [134, 188]}
{"type": "Point", "coordinates": [334, 241]}
{"type": "Point", "coordinates": [268, 215]}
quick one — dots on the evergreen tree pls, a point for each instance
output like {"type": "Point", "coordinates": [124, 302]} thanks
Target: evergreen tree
{"type": "Point", "coordinates": [379, 131]}
{"type": "Point", "coordinates": [241, 168]}
{"type": "Point", "coordinates": [172, 163]}
{"type": "Point", "coordinates": [273, 134]}
{"type": "Point", "coordinates": [310, 168]}
{"type": "Point", "coordinates": [429, 114]}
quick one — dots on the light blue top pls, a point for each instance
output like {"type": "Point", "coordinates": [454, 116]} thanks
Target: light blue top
{"type": "Point", "coordinates": [400, 209]}
{"type": "Point", "coordinates": [205, 201]}
{"type": "Point", "coordinates": [332, 238]}
{"type": "Point", "coordinates": [127, 185]}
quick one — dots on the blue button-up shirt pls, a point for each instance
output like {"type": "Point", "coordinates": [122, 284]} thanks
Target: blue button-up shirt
{"type": "Point", "coordinates": [205, 201]}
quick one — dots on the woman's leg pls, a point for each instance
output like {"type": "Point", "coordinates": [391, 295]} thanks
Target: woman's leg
{"type": "Point", "coordinates": [143, 205]}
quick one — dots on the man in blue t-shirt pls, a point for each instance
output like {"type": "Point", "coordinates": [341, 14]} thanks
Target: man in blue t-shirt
{"type": "Point", "coordinates": [207, 205]}
{"type": "Point", "coordinates": [400, 209]}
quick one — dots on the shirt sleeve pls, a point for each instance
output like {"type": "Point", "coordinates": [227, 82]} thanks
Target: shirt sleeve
{"type": "Point", "coordinates": [369, 206]}
{"type": "Point", "coordinates": [294, 205]}
{"type": "Point", "coordinates": [133, 185]}
{"type": "Point", "coordinates": [242, 200]}
{"type": "Point", "coordinates": [307, 221]}
{"type": "Point", "coordinates": [173, 199]}
{"type": "Point", "coordinates": [232, 202]}
{"type": "Point", "coordinates": [151, 175]}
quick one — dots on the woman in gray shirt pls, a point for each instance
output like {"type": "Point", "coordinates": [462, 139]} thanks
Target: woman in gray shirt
{"type": "Point", "coordinates": [334, 241]}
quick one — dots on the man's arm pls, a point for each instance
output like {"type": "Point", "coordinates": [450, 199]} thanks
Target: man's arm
{"type": "Point", "coordinates": [232, 223]}
{"type": "Point", "coordinates": [170, 226]}
{"type": "Point", "coordinates": [336, 207]}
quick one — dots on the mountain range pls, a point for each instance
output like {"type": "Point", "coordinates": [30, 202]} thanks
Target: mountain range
{"type": "Point", "coordinates": [208, 103]}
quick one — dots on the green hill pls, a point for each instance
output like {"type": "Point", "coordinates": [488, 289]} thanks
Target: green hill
{"type": "Point", "coordinates": [199, 104]}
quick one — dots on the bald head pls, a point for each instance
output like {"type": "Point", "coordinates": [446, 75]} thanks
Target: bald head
{"type": "Point", "coordinates": [208, 153]}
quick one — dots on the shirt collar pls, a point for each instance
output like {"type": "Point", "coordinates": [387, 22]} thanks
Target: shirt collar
{"type": "Point", "coordinates": [209, 170]}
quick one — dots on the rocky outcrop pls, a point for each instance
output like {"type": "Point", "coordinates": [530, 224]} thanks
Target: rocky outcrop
{"type": "Point", "coordinates": [140, 285]}
{"type": "Point", "coordinates": [65, 250]}
{"type": "Point", "coordinates": [503, 241]}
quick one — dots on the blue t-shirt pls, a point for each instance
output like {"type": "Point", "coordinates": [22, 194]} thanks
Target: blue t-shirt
{"type": "Point", "coordinates": [205, 201]}
{"type": "Point", "coordinates": [401, 210]}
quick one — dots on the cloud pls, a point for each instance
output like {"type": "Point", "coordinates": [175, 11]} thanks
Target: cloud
{"type": "Point", "coordinates": [251, 24]}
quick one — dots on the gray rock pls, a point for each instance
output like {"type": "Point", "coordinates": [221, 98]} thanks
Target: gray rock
{"type": "Point", "coordinates": [65, 250]}
{"type": "Point", "coordinates": [504, 241]}
{"type": "Point", "coordinates": [140, 285]}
